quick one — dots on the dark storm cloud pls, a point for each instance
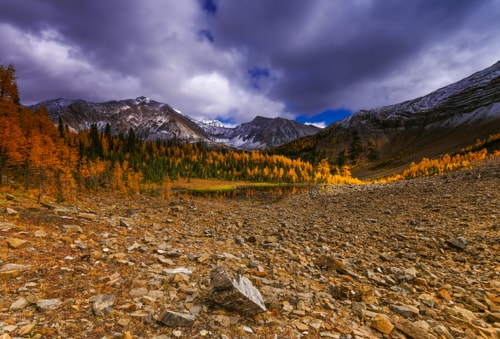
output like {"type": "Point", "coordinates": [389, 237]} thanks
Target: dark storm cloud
{"type": "Point", "coordinates": [120, 41]}
{"type": "Point", "coordinates": [323, 47]}
{"type": "Point", "coordinates": [108, 32]}
{"type": "Point", "coordinates": [238, 59]}
{"type": "Point", "coordinates": [91, 30]}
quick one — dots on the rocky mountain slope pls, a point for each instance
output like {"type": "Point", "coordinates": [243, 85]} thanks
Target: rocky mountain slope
{"type": "Point", "coordinates": [261, 133]}
{"type": "Point", "coordinates": [387, 137]}
{"type": "Point", "coordinates": [152, 120]}
{"type": "Point", "coordinates": [407, 259]}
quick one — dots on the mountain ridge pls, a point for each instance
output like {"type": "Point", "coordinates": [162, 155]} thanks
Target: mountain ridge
{"type": "Point", "coordinates": [261, 133]}
{"type": "Point", "coordinates": [149, 119]}
{"type": "Point", "coordinates": [383, 140]}
{"type": "Point", "coordinates": [152, 120]}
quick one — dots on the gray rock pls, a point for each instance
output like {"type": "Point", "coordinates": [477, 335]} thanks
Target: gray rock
{"type": "Point", "coordinates": [124, 223]}
{"type": "Point", "coordinates": [236, 294]}
{"type": "Point", "coordinates": [458, 243]}
{"type": "Point", "coordinates": [6, 329]}
{"type": "Point", "coordinates": [410, 273]}
{"type": "Point", "coordinates": [87, 216]}
{"type": "Point", "coordinates": [475, 305]}
{"type": "Point", "coordinates": [359, 309]}
{"type": "Point", "coordinates": [174, 253]}
{"type": "Point", "coordinates": [328, 263]}
{"type": "Point", "coordinates": [11, 211]}
{"type": "Point", "coordinates": [175, 319]}
{"type": "Point", "coordinates": [405, 310]}
{"type": "Point", "coordinates": [195, 310]}
{"type": "Point", "coordinates": [413, 330]}
{"type": "Point", "coordinates": [463, 313]}
{"type": "Point", "coordinates": [25, 329]}
{"type": "Point", "coordinates": [19, 304]}
{"type": "Point", "coordinates": [47, 205]}
{"type": "Point", "coordinates": [48, 304]}
{"type": "Point", "coordinates": [40, 234]}
{"type": "Point", "coordinates": [14, 267]}
{"type": "Point", "coordinates": [156, 294]}
{"type": "Point", "coordinates": [6, 226]}
{"type": "Point", "coordinates": [138, 292]}
{"type": "Point", "coordinates": [134, 246]}
{"type": "Point", "coordinates": [441, 330]}
{"type": "Point", "coordinates": [183, 270]}
{"type": "Point", "coordinates": [101, 303]}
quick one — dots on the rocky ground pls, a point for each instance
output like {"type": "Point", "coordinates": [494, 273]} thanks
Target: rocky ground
{"type": "Point", "coordinates": [409, 259]}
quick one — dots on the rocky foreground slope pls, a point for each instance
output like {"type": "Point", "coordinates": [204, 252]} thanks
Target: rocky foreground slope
{"type": "Point", "coordinates": [409, 259]}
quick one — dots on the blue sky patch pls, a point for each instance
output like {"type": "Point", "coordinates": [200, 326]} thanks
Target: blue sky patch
{"type": "Point", "coordinates": [209, 6]}
{"type": "Point", "coordinates": [327, 117]}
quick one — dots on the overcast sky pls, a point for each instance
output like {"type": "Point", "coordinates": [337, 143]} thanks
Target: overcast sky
{"type": "Point", "coordinates": [235, 59]}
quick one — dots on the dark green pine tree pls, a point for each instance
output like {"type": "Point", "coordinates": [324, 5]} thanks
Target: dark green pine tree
{"type": "Point", "coordinates": [95, 143]}
{"type": "Point", "coordinates": [60, 127]}
{"type": "Point", "coordinates": [131, 142]}
{"type": "Point", "coordinates": [108, 136]}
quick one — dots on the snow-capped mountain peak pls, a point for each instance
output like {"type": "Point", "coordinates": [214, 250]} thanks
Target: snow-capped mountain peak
{"type": "Point", "coordinates": [153, 120]}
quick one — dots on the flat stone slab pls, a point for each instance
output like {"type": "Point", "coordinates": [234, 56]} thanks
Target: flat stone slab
{"type": "Point", "coordinates": [405, 310]}
{"type": "Point", "coordinates": [19, 304]}
{"type": "Point", "coordinates": [17, 243]}
{"type": "Point", "coordinates": [14, 267]}
{"type": "Point", "coordinates": [48, 304]}
{"type": "Point", "coordinates": [175, 319]}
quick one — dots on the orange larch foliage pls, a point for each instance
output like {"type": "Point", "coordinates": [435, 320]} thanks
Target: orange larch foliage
{"type": "Point", "coordinates": [8, 85]}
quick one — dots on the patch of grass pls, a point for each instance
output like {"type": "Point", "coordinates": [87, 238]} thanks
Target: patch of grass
{"type": "Point", "coordinates": [264, 184]}
{"type": "Point", "coordinates": [205, 184]}
{"type": "Point", "coordinates": [212, 189]}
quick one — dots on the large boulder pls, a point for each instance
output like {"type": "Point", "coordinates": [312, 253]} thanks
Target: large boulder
{"type": "Point", "coordinates": [235, 294]}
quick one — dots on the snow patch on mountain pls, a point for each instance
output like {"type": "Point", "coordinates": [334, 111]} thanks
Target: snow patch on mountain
{"type": "Point", "coordinates": [56, 103]}
{"type": "Point", "coordinates": [442, 97]}
{"type": "Point", "coordinates": [142, 100]}
{"type": "Point", "coordinates": [153, 120]}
